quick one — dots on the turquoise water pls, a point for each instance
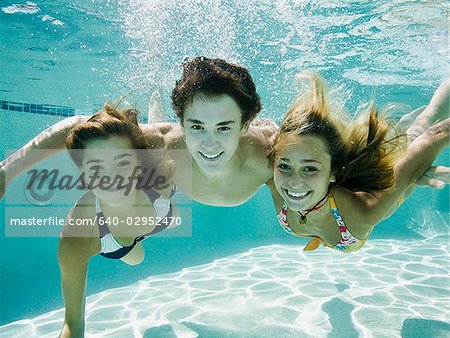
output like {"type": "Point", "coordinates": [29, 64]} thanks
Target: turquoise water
{"type": "Point", "coordinates": [238, 275]}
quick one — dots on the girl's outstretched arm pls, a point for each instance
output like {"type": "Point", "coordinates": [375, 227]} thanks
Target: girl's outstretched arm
{"type": "Point", "coordinates": [427, 136]}
{"type": "Point", "coordinates": [421, 153]}
{"type": "Point", "coordinates": [53, 139]}
{"type": "Point", "coordinates": [419, 120]}
{"type": "Point", "coordinates": [418, 158]}
{"type": "Point", "coordinates": [437, 110]}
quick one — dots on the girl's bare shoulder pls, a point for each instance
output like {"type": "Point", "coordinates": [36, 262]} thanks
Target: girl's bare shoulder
{"type": "Point", "coordinates": [355, 210]}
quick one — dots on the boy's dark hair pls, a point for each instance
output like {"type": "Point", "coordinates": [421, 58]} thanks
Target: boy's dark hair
{"type": "Point", "coordinates": [207, 78]}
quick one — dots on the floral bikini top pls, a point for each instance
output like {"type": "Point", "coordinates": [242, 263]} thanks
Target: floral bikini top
{"type": "Point", "coordinates": [347, 243]}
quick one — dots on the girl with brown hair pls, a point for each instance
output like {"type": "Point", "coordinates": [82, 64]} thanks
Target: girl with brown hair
{"type": "Point", "coordinates": [111, 218]}
{"type": "Point", "coordinates": [334, 180]}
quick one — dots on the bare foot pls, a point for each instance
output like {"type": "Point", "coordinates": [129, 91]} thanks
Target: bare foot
{"type": "Point", "coordinates": [156, 108]}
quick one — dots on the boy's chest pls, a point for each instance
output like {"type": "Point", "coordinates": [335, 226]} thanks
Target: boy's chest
{"type": "Point", "coordinates": [230, 190]}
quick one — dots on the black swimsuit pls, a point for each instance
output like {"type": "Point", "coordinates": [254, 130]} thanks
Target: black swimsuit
{"type": "Point", "coordinates": [110, 248]}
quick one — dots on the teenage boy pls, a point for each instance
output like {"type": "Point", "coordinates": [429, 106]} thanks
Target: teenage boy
{"type": "Point", "coordinates": [216, 102]}
{"type": "Point", "coordinates": [225, 163]}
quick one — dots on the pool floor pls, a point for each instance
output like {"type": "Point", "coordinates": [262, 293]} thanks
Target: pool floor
{"type": "Point", "coordinates": [389, 289]}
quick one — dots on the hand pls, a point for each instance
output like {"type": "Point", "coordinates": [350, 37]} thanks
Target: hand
{"type": "Point", "coordinates": [436, 177]}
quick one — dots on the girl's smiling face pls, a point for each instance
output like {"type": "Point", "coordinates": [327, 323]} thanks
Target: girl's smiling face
{"type": "Point", "coordinates": [302, 172]}
{"type": "Point", "coordinates": [111, 159]}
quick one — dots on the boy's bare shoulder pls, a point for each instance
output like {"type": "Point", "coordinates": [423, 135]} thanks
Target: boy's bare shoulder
{"type": "Point", "coordinates": [162, 135]}
{"type": "Point", "coordinates": [256, 144]}
{"type": "Point", "coordinates": [261, 133]}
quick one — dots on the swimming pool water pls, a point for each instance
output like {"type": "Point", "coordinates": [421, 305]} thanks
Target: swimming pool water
{"type": "Point", "coordinates": [389, 290]}
{"type": "Point", "coordinates": [238, 273]}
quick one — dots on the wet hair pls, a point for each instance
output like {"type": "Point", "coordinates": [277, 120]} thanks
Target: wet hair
{"type": "Point", "coordinates": [207, 78]}
{"type": "Point", "coordinates": [107, 122]}
{"type": "Point", "coordinates": [112, 121]}
{"type": "Point", "coordinates": [362, 154]}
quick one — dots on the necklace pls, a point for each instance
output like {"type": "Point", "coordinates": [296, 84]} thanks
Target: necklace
{"type": "Point", "coordinates": [317, 207]}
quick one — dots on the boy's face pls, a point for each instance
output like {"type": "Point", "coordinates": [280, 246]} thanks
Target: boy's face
{"type": "Point", "coordinates": [213, 129]}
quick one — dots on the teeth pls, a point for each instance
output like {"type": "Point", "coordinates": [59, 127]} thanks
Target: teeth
{"type": "Point", "coordinates": [211, 157]}
{"type": "Point", "coordinates": [296, 195]}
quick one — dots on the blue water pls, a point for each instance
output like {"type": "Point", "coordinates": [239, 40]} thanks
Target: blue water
{"type": "Point", "coordinates": [80, 54]}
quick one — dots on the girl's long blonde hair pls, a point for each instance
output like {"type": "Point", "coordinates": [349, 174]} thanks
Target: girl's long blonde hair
{"type": "Point", "coordinates": [362, 151]}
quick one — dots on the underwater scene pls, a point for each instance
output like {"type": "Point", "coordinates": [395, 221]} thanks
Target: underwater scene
{"type": "Point", "coordinates": [230, 269]}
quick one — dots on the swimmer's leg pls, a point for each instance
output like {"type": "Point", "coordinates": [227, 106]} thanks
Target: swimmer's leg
{"type": "Point", "coordinates": [156, 111]}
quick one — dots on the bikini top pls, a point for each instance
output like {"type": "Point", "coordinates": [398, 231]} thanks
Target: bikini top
{"type": "Point", "coordinates": [347, 243]}
{"type": "Point", "coordinates": [110, 248]}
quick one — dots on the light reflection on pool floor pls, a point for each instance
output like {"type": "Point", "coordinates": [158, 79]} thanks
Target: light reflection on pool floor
{"type": "Point", "coordinates": [389, 289]}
